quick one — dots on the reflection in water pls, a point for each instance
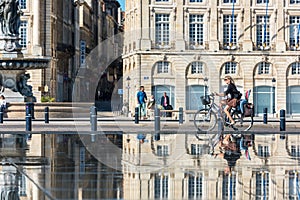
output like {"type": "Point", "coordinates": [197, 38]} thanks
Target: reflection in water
{"type": "Point", "coordinates": [182, 167]}
{"type": "Point", "coordinates": [178, 166]}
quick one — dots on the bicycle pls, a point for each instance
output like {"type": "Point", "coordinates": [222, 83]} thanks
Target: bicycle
{"type": "Point", "coordinates": [206, 119]}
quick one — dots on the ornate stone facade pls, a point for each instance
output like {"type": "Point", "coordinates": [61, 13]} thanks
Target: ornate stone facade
{"type": "Point", "coordinates": [173, 45]}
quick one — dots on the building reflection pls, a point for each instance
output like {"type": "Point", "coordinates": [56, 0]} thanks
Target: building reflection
{"type": "Point", "coordinates": [172, 166]}
{"type": "Point", "coordinates": [180, 167]}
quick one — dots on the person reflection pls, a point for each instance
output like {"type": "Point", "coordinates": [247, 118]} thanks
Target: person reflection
{"type": "Point", "coordinates": [230, 148]}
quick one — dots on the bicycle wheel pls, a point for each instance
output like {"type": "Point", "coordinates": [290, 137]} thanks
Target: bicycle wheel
{"type": "Point", "coordinates": [242, 124]}
{"type": "Point", "coordinates": [205, 120]}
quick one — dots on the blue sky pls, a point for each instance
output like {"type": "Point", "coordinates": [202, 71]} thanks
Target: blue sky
{"type": "Point", "coordinates": [122, 2]}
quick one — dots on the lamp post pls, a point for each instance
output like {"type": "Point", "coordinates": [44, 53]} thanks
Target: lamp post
{"type": "Point", "coordinates": [128, 87]}
{"type": "Point", "coordinates": [205, 86]}
{"type": "Point", "coordinates": [273, 94]}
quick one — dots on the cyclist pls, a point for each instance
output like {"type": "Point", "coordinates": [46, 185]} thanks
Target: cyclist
{"type": "Point", "coordinates": [233, 95]}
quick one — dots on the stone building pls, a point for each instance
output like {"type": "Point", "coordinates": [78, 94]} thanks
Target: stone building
{"type": "Point", "coordinates": [64, 32]}
{"type": "Point", "coordinates": [174, 45]}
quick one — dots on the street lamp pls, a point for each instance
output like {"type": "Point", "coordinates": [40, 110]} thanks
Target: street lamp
{"type": "Point", "coordinates": [273, 95]}
{"type": "Point", "coordinates": [128, 87]}
{"type": "Point", "coordinates": [205, 85]}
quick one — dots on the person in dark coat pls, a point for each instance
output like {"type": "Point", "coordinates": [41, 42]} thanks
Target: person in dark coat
{"type": "Point", "coordinates": [165, 101]}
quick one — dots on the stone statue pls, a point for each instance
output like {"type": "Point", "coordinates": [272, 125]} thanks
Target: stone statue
{"type": "Point", "coordinates": [24, 89]}
{"type": "Point", "coordinates": [10, 13]}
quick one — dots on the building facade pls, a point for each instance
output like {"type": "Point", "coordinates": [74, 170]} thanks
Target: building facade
{"type": "Point", "coordinates": [66, 32]}
{"type": "Point", "coordinates": [174, 45]}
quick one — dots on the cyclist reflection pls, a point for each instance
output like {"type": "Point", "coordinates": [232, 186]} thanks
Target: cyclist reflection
{"type": "Point", "coordinates": [230, 148]}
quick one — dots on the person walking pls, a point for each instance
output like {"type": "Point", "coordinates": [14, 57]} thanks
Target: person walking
{"type": "Point", "coordinates": [141, 101]}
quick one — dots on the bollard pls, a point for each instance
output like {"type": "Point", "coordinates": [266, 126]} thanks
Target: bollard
{"type": "Point", "coordinates": [46, 115]}
{"type": "Point", "coordinates": [282, 123]}
{"type": "Point", "coordinates": [93, 119]}
{"type": "Point", "coordinates": [157, 124]}
{"type": "Point", "coordinates": [28, 122]}
{"type": "Point", "coordinates": [1, 114]}
{"type": "Point", "coordinates": [265, 115]}
{"type": "Point", "coordinates": [136, 115]}
{"type": "Point", "coordinates": [180, 115]}
{"type": "Point", "coordinates": [30, 109]}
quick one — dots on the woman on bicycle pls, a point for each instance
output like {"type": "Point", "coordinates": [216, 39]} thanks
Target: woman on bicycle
{"type": "Point", "coordinates": [232, 96]}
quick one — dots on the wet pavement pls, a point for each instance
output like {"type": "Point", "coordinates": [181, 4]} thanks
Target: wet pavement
{"type": "Point", "coordinates": [124, 160]}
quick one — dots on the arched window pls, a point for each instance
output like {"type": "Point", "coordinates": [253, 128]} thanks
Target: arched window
{"type": "Point", "coordinates": [162, 67]}
{"type": "Point", "coordinates": [263, 68]}
{"type": "Point", "coordinates": [196, 68]}
{"type": "Point", "coordinates": [295, 68]}
{"type": "Point", "coordinates": [230, 68]}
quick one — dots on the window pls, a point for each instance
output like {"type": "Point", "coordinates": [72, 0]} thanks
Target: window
{"type": "Point", "coordinates": [198, 1]}
{"type": "Point", "coordinates": [195, 149]}
{"type": "Point", "coordinates": [293, 100]}
{"type": "Point", "coordinates": [294, 31]}
{"type": "Point", "coordinates": [194, 92]}
{"type": "Point", "coordinates": [23, 34]}
{"type": "Point", "coordinates": [162, 150]}
{"type": "Point", "coordinates": [295, 68]}
{"type": "Point", "coordinates": [294, 1]}
{"type": "Point", "coordinates": [264, 97]}
{"type": "Point", "coordinates": [262, 32]}
{"type": "Point", "coordinates": [196, 30]}
{"type": "Point", "coordinates": [158, 91]}
{"type": "Point", "coordinates": [229, 1]}
{"type": "Point", "coordinates": [263, 68]}
{"type": "Point", "coordinates": [295, 150]}
{"type": "Point", "coordinates": [162, 26]}
{"type": "Point", "coordinates": [262, 1]}
{"type": "Point", "coordinates": [230, 68]}
{"type": "Point", "coordinates": [229, 31]}
{"type": "Point", "coordinates": [162, 67]}
{"type": "Point", "coordinates": [82, 53]}
{"type": "Point", "coordinates": [294, 184]}
{"type": "Point", "coordinates": [229, 186]}
{"type": "Point", "coordinates": [195, 184]}
{"type": "Point", "coordinates": [23, 4]}
{"type": "Point", "coordinates": [161, 186]}
{"type": "Point", "coordinates": [262, 185]}
{"type": "Point", "coordinates": [196, 68]}
{"type": "Point", "coordinates": [263, 151]}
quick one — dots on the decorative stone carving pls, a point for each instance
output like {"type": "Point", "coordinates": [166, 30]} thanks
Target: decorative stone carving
{"type": "Point", "coordinates": [24, 89]}
{"type": "Point", "coordinates": [10, 13]}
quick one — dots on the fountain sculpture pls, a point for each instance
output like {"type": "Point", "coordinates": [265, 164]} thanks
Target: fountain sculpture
{"type": "Point", "coordinates": [13, 63]}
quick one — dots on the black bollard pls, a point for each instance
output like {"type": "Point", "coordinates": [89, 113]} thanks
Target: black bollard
{"type": "Point", "coordinates": [157, 124]}
{"type": "Point", "coordinates": [1, 114]}
{"type": "Point", "coordinates": [265, 115]}
{"type": "Point", "coordinates": [46, 115]}
{"type": "Point", "coordinates": [180, 115]}
{"type": "Point", "coordinates": [30, 109]}
{"type": "Point", "coordinates": [282, 123]}
{"type": "Point", "coordinates": [28, 122]}
{"type": "Point", "coordinates": [136, 115]}
{"type": "Point", "coordinates": [93, 119]}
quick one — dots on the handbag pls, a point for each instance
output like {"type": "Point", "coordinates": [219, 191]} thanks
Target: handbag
{"type": "Point", "coordinates": [248, 110]}
{"type": "Point", "coordinates": [232, 102]}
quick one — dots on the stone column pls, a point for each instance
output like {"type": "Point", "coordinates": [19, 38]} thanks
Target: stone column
{"type": "Point", "coordinates": [280, 17]}
{"type": "Point", "coordinates": [37, 50]}
{"type": "Point", "coordinates": [178, 14]}
{"type": "Point", "coordinates": [213, 34]}
{"type": "Point", "coordinates": [247, 21]}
